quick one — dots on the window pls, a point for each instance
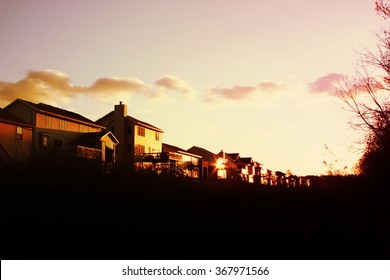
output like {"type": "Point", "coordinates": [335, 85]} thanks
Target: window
{"type": "Point", "coordinates": [139, 149]}
{"type": "Point", "coordinates": [149, 150]}
{"type": "Point", "coordinates": [19, 133]}
{"type": "Point", "coordinates": [141, 131]}
{"type": "Point", "coordinates": [63, 125]}
{"type": "Point", "coordinates": [44, 140]}
{"type": "Point", "coordinates": [157, 136]}
{"type": "Point", "coordinates": [48, 121]}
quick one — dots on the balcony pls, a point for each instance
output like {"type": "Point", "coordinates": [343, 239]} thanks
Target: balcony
{"type": "Point", "coordinates": [91, 153]}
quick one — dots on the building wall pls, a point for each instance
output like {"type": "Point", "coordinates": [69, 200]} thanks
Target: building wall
{"type": "Point", "coordinates": [45, 121]}
{"type": "Point", "coordinates": [149, 140]}
{"type": "Point", "coordinates": [18, 149]}
{"type": "Point", "coordinates": [61, 140]}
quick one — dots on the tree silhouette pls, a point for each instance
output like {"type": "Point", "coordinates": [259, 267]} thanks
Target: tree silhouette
{"type": "Point", "coordinates": [367, 96]}
{"type": "Point", "coordinates": [382, 8]}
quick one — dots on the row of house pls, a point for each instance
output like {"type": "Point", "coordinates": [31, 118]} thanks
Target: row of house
{"type": "Point", "coordinates": [30, 130]}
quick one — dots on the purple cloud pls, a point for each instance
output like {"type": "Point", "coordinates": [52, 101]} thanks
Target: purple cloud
{"type": "Point", "coordinates": [327, 83]}
{"type": "Point", "coordinates": [239, 92]}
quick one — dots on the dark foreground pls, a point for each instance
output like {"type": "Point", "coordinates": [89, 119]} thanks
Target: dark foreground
{"type": "Point", "coordinates": [123, 217]}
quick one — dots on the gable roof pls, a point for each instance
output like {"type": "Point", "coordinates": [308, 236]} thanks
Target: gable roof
{"type": "Point", "coordinates": [234, 156]}
{"type": "Point", "coordinates": [95, 136]}
{"type": "Point", "coordinates": [7, 117]}
{"type": "Point", "coordinates": [166, 148]}
{"type": "Point", "coordinates": [133, 120]}
{"type": "Point", "coordinates": [247, 160]}
{"type": "Point", "coordinates": [229, 161]}
{"type": "Point", "coordinates": [205, 154]}
{"type": "Point", "coordinates": [144, 124]}
{"type": "Point", "coordinates": [170, 148]}
{"type": "Point", "coordinates": [55, 111]}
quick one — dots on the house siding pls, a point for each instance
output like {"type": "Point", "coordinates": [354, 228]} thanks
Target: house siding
{"type": "Point", "coordinates": [148, 141]}
{"type": "Point", "coordinates": [18, 150]}
{"type": "Point", "coordinates": [62, 124]}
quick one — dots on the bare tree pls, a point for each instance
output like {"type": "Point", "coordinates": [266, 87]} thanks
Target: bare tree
{"type": "Point", "coordinates": [382, 8]}
{"type": "Point", "coordinates": [367, 97]}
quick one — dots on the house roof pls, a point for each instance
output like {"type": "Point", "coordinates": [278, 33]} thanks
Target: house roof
{"type": "Point", "coordinates": [144, 124]}
{"type": "Point", "coordinates": [234, 156]}
{"type": "Point", "coordinates": [247, 160]}
{"type": "Point", "coordinates": [7, 117]}
{"type": "Point", "coordinates": [231, 163]}
{"type": "Point", "coordinates": [170, 148]}
{"type": "Point", "coordinates": [135, 121]}
{"type": "Point", "coordinates": [174, 149]}
{"type": "Point", "coordinates": [55, 111]}
{"type": "Point", "coordinates": [207, 155]}
{"type": "Point", "coordinates": [95, 136]}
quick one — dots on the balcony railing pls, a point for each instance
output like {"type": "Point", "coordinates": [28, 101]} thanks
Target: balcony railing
{"type": "Point", "coordinates": [152, 157]}
{"type": "Point", "coordinates": [85, 152]}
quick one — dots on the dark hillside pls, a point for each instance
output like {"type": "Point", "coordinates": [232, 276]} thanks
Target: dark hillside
{"type": "Point", "coordinates": [123, 217]}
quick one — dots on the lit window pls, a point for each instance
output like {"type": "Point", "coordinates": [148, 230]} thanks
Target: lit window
{"type": "Point", "coordinates": [141, 131]}
{"type": "Point", "coordinates": [44, 140]}
{"type": "Point", "coordinates": [139, 149]}
{"type": "Point", "coordinates": [19, 133]}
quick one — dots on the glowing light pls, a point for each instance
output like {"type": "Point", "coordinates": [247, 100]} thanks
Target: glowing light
{"type": "Point", "coordinates": [220, 163]}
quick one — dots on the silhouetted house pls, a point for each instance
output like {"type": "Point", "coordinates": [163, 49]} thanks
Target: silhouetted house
{"type": "Point", "coordinates": [15, 139]}
{"type": "Point", "coordinates": [280, 178]}
{"type": "Point", "coordinates": [181, 163]}
{"type": "Point", "coordinates": [248, 170]}
{"type": "Point", "coordinates": [135, 137]}
{"type": "Point", "coordinates": [215, 166]}
{"type": "Point", "coordinates": [227, 166]}
{"type": "Point", "coordinates": [311, 180]}
{"type": "Point", "coordinates": [97, 145]}
{"type": "Point", "coordinates": [242, 167]}
{"type": "Point", "coordinates": [58, 132]}
{"type": "Point", "coordinates": [171, 161]}
{"type": "Point", "coordinates": [253, 169]}
{"type": "Point", "coordinates": [209, 162]}
{"type": "Point", "coordinates": [292, 181]}
{"type": "Point", "coordinates": [269, 178]}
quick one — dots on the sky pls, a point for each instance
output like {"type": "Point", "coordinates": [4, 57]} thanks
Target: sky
{"type": "Point", "coordinates": [249, 76]}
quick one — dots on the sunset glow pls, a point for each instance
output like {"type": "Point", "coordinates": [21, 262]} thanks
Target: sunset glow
{"type": "Point", "coordinates": [249, 77]}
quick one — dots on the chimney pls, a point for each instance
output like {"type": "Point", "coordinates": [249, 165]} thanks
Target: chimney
{"type": "Point", "coordinates": [121, 109]}
{"type": "Point", "coordinates": [120, 113]}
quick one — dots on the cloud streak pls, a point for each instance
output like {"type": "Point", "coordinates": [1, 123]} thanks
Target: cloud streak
{"type": "Point", "coordinates": [172, 83]}
{"type": "Point", "coordinates": [50, 85]}
{"type": "Point", "coordinates": [327, 83]}
{"type": "Point", "coordinates": [239, 92]}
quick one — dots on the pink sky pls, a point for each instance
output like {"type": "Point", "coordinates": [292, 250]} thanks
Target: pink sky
{"type": "Point", "coordinates": [245, 76]}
